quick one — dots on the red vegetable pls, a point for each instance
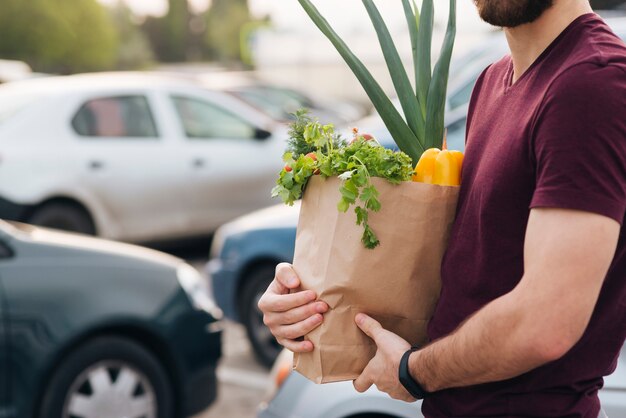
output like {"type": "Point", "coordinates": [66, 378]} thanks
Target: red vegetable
{"type": "Point", "coordinates": [365, 137]}
{"type": "Point", "coordinates": [288, 168]}
{"type": "Point", "coordinates": [312, 155]}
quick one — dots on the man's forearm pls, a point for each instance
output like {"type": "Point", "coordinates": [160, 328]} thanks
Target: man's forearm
{"type": "Point", "coordinates": [497, 343]}
{"type": "Point", "coordinates": [566, 257]}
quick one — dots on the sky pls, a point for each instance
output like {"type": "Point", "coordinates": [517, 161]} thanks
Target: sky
{"type": "Point", "coordinates": [287, 14]}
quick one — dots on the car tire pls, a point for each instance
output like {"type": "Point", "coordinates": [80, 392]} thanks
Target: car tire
{"type": "Point", "coordinates": [264, 345]}
{"type": "Point", "coordinates": [104, 366]}
{"type": "Point", "coordinates": [63, 216]}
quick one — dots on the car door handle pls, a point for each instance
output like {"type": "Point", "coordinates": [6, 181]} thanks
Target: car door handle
{"type": "Point", "coordinates": [198, 163]}
{"type": "Point", "coordinates": [96, 165]}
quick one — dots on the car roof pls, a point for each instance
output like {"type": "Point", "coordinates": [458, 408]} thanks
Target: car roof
{"type": "Point", "coordinates": [91, 81]}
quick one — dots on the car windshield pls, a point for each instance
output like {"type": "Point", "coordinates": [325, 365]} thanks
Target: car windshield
{"type": "Point", "coordinates": [277, 102]}
{"type": "Point", "coordinates": [270, 107]}
{"type": "Point", "coordinates": [12, 102]}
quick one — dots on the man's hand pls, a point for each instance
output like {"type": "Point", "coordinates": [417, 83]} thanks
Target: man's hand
{"type": "Point", "coordinates": [382, 370]}
{"type": "Point", "coordinates": [290, 316]}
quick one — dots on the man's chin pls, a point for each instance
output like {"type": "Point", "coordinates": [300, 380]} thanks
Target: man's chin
{"type": "Point", "coordinates": [511, 13]}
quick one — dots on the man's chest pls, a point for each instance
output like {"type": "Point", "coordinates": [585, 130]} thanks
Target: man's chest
{"type": "Point", "coordinates": [500, 167]}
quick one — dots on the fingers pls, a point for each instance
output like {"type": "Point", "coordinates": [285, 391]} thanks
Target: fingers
{"type": "Point", "coordinates": [369, 326]}
{"type": "Point", "coordinates": [299, 329]}
{"type": "Point", "coordinates": [290, 316]}
{"type": "Point", "coordinates": [363, 382]}
{"type": "Point", "coordinates": [295, 315]}
{"type": "Point", "coordinates": [296, 346]}
{"type": "Point", "coordinates": [286, 278]}
{"type": "Point", "coordinates": [271, 302]}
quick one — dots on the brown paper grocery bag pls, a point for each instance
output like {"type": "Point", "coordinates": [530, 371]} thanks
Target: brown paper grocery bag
{"type": "Point", "coordinates": [397, 283]}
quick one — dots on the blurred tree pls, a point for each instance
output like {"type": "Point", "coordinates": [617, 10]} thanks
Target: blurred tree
{"type": "Point", "coordinates": [134, 50]}
{"type": "Point", "coordinates": [60, 36]}
{"type": "Point", "coordinates": [176, 26]}
{"type": "Point", "coordinates": [606, 4]}
{"type": "Point", "coordinates": [169, 35]}
{"type": "Point", "coordinates": [225, 19]}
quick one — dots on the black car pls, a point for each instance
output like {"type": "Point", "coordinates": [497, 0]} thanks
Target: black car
{"type": "Point", "coordinates": [91, 328]}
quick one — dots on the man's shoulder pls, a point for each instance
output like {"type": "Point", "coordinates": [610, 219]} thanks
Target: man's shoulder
{"type": "Point", "coordinates": [596, 54]}
{"type": "Point", "coordinates": [592, 63]}
{"type": "Point", "coordinates": [590, 79]}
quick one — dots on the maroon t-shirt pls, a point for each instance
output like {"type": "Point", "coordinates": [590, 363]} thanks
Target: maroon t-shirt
{"type": "Point", "coordinates": [554, 139]}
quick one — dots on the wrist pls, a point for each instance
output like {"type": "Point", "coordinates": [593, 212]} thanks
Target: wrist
{"type": "Point", "coordinates": [415, 370]}
{"type": "Point", "coordinates": [406, 378]}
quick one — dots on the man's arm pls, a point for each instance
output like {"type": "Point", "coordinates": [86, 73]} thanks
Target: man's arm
{"type": "Point", "coordinates": [567, 255]}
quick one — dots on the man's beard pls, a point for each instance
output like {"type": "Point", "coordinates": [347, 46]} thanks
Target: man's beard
{"type": "Point", "coordinates": [511, 13]}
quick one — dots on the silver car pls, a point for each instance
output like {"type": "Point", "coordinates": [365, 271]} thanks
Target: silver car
{"type": "Point", "coordinates": [294, 396]}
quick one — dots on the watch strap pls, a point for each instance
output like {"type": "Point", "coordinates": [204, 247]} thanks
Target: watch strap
{"type": "Point", "coordinates": [404, 375]}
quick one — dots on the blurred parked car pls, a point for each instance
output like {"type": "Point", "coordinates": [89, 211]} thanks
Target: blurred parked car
{"type": "Point", "coordinates": [293, 395]}
{"type": "Point", "coordinates": [15, 70]}
{"type": "Point", "coordinates": [132, 156]}
{"type": "Point", "coordinates": [280, 102]}
{"type": "Point", "coordinates": [245, 252]}
{"type": "Point", "coordinates": [244, 255]}
{"type": "Point", "coordinates": [92, 328]}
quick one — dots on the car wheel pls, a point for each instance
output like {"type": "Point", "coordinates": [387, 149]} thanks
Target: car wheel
{"type": "Point", "coordinates": [64, 216]}
{"type": "Point", "coordinates": [265, 346]}
{"type": "Point", "coordinates": [108, 377]}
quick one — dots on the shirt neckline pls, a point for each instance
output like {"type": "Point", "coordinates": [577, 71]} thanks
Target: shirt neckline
{"type": "Point", "coordinates": [509, 75]}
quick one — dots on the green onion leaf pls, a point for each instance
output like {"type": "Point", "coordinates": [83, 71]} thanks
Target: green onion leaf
{"type": "Point", "coordinates": [437, 93]}
{"type": "Point", "coordinates": [399, 77]}
{"type": "Point", "coordinates": [424, 42]}
{"type": "Point", "coordinates": [399, 130]}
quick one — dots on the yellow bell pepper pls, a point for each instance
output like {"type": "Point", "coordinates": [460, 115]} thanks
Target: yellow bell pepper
{"type": "Point", "coordinates": [439, 167]}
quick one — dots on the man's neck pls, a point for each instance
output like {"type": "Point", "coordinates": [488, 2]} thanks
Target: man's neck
{"type": "Point", "coordinates": [528, 41]}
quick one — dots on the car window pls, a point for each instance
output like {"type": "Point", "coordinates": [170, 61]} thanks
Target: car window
{"type": "Point", "coordinates": [204, 120]}
{"type": "Point", "coordinates": [273, 109]}
{"type": "Point", "coordinates": [456, 135]}
{"type": "Point", "coordinates": [462, 96]}
{"type": "Point", "coordinates": [111, 117]}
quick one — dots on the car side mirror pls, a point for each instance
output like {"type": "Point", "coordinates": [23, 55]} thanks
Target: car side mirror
{"type": "Point", "coordinates": [261, 134]}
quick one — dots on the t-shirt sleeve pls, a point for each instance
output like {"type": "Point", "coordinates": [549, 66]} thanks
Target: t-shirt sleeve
{"type": "Point", "coordinates": [579, 142]}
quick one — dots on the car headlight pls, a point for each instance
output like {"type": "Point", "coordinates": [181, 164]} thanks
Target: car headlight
{"type": "Point", "coordinates": [197, 289]}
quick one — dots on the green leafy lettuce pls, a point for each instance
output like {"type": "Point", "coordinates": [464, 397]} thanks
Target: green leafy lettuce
{"type": "Point", "coordinates": [316, 149]}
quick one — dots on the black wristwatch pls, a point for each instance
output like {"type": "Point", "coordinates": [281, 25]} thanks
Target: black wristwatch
{"type": "Point", "coordinates": [410, 384]}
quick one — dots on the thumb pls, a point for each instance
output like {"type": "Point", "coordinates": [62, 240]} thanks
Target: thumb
{"type": "Point", "coordinates": [369, 326]}
{"type": "Point", "coordinates": [286, 279]}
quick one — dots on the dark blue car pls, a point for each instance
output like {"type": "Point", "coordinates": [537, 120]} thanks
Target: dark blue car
{"type": "Point", "coordinates": [244, 256]}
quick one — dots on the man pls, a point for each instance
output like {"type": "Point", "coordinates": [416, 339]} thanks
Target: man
{"type": "Point", "coordinates": [532, 311]}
